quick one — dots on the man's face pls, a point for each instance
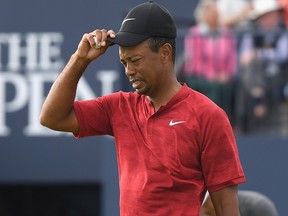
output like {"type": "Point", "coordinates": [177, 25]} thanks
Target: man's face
{"type": "Point", "coordinates": [269, 20]}
{"type": "Point", "coordinates": [143, 68]}
{"type": "Point", "coordinates": [210, 14]}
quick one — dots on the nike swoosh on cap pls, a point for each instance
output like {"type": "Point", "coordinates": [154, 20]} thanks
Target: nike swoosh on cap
{"type": "Point", "coordinates": [128, 19]}
{"type": "Point", "coordinates": [171, 123]}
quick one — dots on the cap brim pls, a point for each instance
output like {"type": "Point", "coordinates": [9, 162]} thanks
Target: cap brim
{"type": "Point", "coordinates": [127, 39]}
{"type": "Point", "coordinates": [254, 15]}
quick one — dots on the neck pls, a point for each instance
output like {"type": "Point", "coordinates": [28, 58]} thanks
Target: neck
{"type": "Point", "coordinates": [213, 26]}
{"type": "Point", "coordinates": [165, 94]}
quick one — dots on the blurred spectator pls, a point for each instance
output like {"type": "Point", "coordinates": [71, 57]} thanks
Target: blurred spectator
{"type": "Point", "coordinates": [210, 56]}
{"type": "Point", "coordinates": [284, 4]}
{"type": "Point", "coordinates": [251, 203]}
{"type": "Point", "coordinates": [234, 14]}
{"type": "Point", "coordinates": [264, 53]}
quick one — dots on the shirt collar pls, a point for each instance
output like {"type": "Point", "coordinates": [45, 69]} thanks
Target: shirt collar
{"type": "Point", "coordinates": [180, 96]}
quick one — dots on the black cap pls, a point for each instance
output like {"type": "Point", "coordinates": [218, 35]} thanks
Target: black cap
{"type": "Point", "coordinates": [143, 21]}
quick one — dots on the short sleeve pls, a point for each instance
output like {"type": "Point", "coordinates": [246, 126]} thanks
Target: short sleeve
{"type": "Point", "coordinates": [220, 160]}
{"type": "Point", "coordinates": [93, 117]}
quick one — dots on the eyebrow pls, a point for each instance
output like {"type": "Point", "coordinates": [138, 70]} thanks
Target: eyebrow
{"type": "Point", "coordinates": [130, 57]}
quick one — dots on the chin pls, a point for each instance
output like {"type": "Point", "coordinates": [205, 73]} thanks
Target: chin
{"type": "Point", "coordinates": [142, 91]}
{"type": "Point", "coordinates": [139, 92]}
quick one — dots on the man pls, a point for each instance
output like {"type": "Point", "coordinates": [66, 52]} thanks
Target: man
{"type": "Point", "coordinates": [234, 14]}
{"type": "Point", "coordinates": [263, 60]}
{"type": "Point", "coordinates": [172, 143]}
{"type": "Point", "coordinates": [251, 203]}
{"type": "Point", "coordinates": [284, 4]}
{"type": "Point", "coordinates": [210, 74]}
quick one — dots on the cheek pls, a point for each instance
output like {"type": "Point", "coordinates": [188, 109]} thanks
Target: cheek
{"type": "Point", "coordinates": [151, 69]}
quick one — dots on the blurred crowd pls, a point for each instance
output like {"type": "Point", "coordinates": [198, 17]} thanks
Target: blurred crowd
{"type": "Point", "coordinates": [237, 55]}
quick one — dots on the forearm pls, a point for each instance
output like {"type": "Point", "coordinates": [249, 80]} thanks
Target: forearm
{"type": "Point", "coordinates": [228, 210]}
{"type": "Point", "coordinates": [57, 111]}
{"type": "Point", "coordinates": [225, 201]}
{"type": "Point", "coordinates": [231, 21]}
{"type": "Point", "coordinates": [59, 102]}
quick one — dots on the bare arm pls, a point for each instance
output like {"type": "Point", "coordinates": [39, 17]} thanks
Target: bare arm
{"type": "Point", "coordinates": [57, 111]}
{"type": "Point", "coordinates": [225, 201]}
{"type": "Point", "coordinates": [231, 21]}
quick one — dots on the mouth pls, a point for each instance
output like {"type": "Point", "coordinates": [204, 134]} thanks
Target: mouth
{"type": "Point", "coordinates": [136, 84]}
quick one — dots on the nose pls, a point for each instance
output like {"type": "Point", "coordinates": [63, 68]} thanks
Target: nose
{"type": "Point", "coordinates": [129, 70]}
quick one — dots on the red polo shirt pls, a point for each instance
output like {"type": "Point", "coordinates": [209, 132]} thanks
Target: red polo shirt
{"type": "Point", "coordinates": [169, 158]}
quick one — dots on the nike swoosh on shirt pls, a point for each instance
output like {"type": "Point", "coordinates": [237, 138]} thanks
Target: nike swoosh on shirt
{"type": "Point", "coordinates": [128, 19]}
{"type": "Point", "coordinates": [175, 123]}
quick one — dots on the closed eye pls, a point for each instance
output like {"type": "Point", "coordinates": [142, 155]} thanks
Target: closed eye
{"type": "Point", "coordinates": [132, 60]}
{"type": "Point", "coordinates": [135, 60]}
{"type": "Point", "coordinates": [123, 63]}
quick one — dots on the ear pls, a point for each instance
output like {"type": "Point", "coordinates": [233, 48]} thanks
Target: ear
{"type": "Point", "coordinates": [166, 53]}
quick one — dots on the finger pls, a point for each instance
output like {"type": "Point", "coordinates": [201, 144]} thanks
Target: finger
{"type": "Point", "coordinates": [103, 37]}
{"type": "Point", "coordinates": [95, 38]}
{"type": "Point", "coordinates": [111, 34]}
{"type": "Point", "coordinates": [99, 38]}
{"type": "Point", "coordinates": [97, 44]}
